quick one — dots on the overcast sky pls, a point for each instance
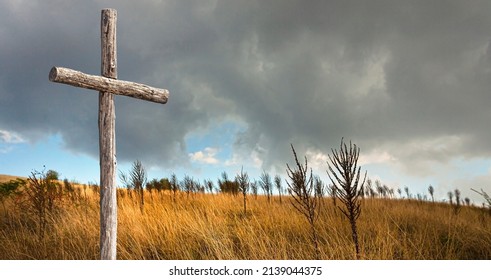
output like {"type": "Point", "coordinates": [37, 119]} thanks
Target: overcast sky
{"type": "Point", "coordinates": [407, 81]}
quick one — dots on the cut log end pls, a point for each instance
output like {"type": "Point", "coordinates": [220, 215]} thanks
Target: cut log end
{"type": "Point", "coordinates": [53, 73]}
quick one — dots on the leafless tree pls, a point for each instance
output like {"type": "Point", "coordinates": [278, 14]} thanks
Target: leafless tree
{"type": "Point", "coordinates": [228, 186]}
{"type": "Point", "coordinates": [319, 189]}
{"type": "Point", "coordinates": [242, 180]}
{"type": "Point", "coordinates": [174, 185]}
{"type": "Point", "coordinates": [266, 184]}
{"type": "Point", "coordinates": [209, 185]}
{"type": "Point", "coordinates": [254, 188]}
{"type": "Point", "coordinates": [380, 189]}
{"type": "Point", "coordinates": [458, 203]}
{"type": "Point", "coordinates": [136, 180]}
{"type": "Point", "coordinates": [431, 190]}
{"type": "Point", "coordinates": [450, 197]}
{"type": "Point", "coordinates": [277, 183]}
{"type": "Point", "coordinates": [189, 185]}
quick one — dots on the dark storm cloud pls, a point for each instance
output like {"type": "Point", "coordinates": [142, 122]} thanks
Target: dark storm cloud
{"type": "Point", "coordinates": [33, 38]}
{"type": "Point", "coordinates": [390, 75]}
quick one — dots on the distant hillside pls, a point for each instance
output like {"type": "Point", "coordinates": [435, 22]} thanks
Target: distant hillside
{"type": "Point", "coordinates": [6, 178]}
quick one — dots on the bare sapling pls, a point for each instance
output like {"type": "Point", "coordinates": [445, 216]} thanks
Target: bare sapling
{"type": "Point", "coordinates": [431, 190]}
{"type": "Point", "coordinates": [174, 185]}
{"type": "Point", "coordinates": [242, 180]}
{"type": "Point", "coordinates": [209, 186]}
{"type": "Point", "coordinates": [266, 184]}
{"type": "Point", "coordinates": [319, 189]}
{"type": "Point", "coordinates": [254, 188]}
{"type": "Point", "coordinates": [188, 185]}
{"type": "Point", "coordinates": [301, 188]}
{"type": "Point", "coordinates": [458, 204]}
{"type": "Point", "coordinates": [277, 183]}
{"type": "Point", "coordinates": [136, 180]}
{"type": "Point", "coordinates": [345, 176]}
{"type": "Point", "coordinates": [450, 197]}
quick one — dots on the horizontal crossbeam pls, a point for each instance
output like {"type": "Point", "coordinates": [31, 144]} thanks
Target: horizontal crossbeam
{"type": "Point", "coordinates": [135, 90]}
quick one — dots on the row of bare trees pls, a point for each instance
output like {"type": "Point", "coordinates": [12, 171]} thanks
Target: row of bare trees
{"type": "Point", "coordinates": [136, 181]}
{"type": "Point", "coordinates": [347, 186]}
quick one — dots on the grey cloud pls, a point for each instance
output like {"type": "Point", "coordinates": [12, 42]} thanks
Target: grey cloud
{"type": "Point", "coordinates": [385, 74]}
{"type": "Point", "coordinates": [437, 56]}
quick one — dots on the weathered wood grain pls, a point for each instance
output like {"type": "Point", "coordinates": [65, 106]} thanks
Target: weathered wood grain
{"type": "Point", "coordinates": [107, 140]}
{"type": "Point", "coordinates": [110, 85]}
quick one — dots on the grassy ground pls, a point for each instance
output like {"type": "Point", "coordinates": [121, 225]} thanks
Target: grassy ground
{"type": "Point", "coordinates": [205, 226]}
{"type": "Point", "coordinates": [6, 178]}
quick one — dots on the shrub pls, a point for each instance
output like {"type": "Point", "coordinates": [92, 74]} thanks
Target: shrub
{"type": "Point", "coordinates": [10, 188]}
{"type": "Point", "coordinates": [43, 193]}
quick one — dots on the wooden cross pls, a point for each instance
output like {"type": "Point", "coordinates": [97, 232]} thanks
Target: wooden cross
{"type": "Point", "coordinates": [107, 85]}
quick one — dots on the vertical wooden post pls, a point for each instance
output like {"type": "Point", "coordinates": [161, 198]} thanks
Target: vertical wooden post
{"type": "Point", "coordinates": [107, 140]}
{"type": "Point", "coordinates": [107, 86]}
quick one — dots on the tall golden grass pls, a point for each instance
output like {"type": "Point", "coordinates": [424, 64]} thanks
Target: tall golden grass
{"type": "Point", "coordinates": [213, 226]}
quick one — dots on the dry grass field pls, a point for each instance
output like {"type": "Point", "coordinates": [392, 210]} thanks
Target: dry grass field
{"type": "Point", "coordinates": [6, 178]}
{"type": "Point", "coordinates": [213, 226]}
